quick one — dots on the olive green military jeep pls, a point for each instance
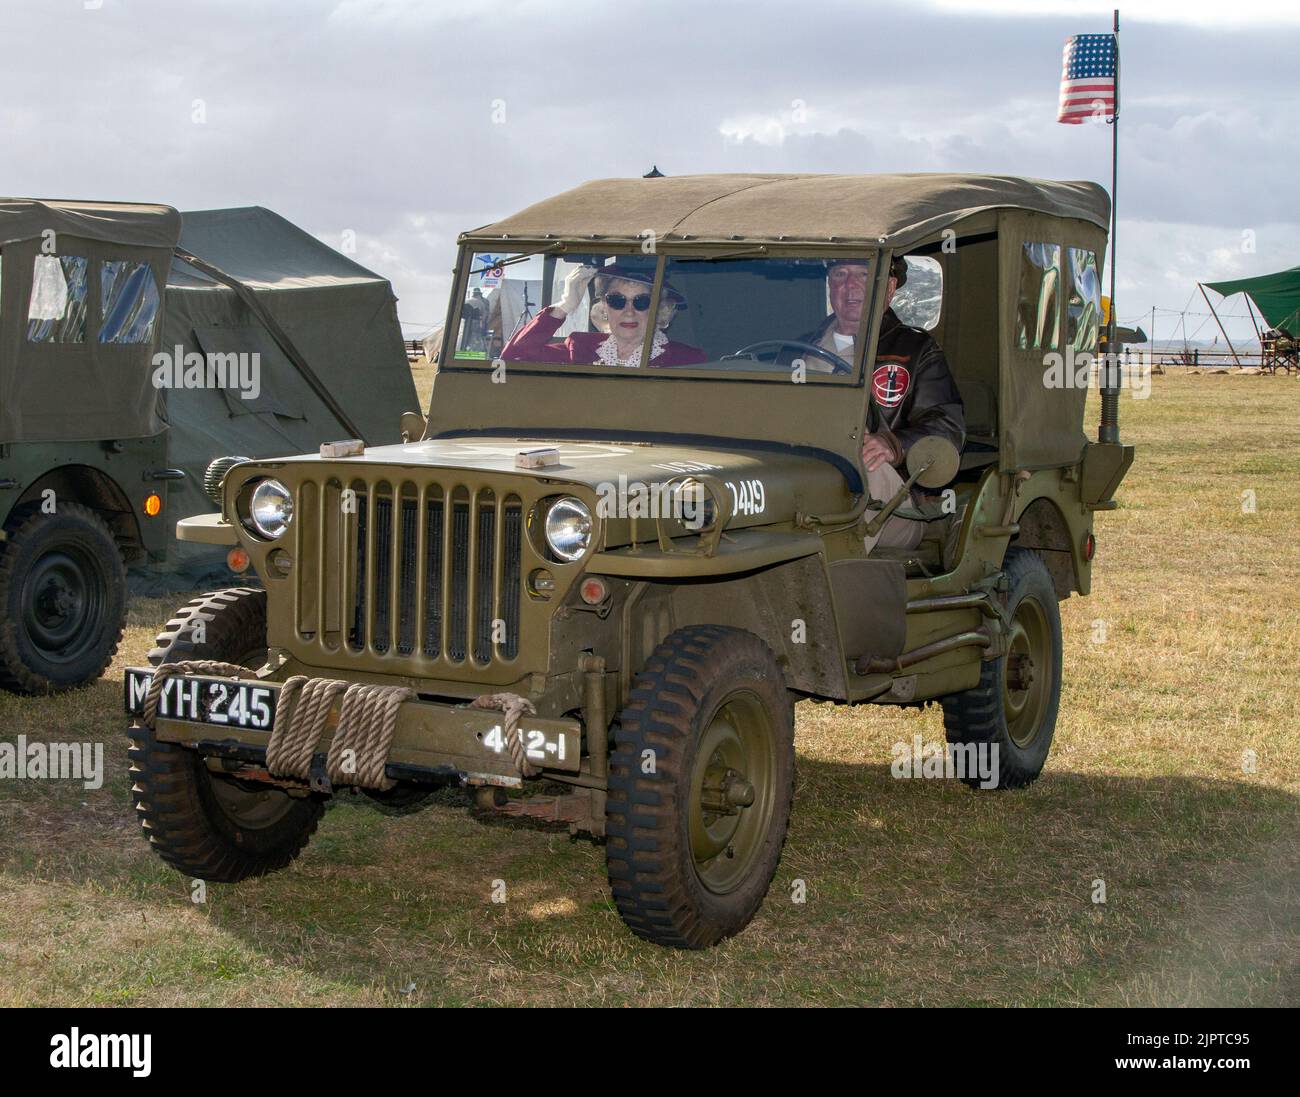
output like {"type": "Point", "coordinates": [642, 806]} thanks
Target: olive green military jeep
{"type": "Point", "coordinates": [611, 582]}
{"type": "Point", "coordinates": [84, 476]}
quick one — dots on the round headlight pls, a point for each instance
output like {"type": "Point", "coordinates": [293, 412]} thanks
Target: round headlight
{"type": "Point", "coordinates": [694, 507]}
{"type": "Point", "coordinates": [568, 528]}
{"type": "Point", "coordinates": [270, 510]}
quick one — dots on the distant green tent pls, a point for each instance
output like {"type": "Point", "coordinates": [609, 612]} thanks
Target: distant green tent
{"type": "Point", "coordinates": [1277, 296]}
{"type": "Point", "coordinates": [265, 286]}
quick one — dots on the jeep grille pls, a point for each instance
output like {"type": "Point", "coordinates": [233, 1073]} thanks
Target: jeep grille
{"type": "Point", "coordinates": [424, 573]}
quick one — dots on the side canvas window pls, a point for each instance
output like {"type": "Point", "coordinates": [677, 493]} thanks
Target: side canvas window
{"type": "Point", "coordinates": [1083, 312]}
{"type": "Point", "coordinates": [56, 312]}
{"type": "Point", "coordinates": [129, 299]}
{"type": "Point", "coordinates": [1038, 322]}
{"type": "Point", "coordinates": [919, 301]}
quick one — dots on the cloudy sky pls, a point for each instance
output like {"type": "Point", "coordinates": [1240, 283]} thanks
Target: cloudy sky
{"type": "Point", "coordinates": [405, 122]}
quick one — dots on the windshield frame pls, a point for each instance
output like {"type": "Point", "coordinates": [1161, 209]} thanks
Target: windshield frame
{"type": "Point", "coordinates": [664, 252]}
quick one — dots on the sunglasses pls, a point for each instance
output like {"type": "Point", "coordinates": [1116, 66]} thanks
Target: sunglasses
{"type": "Point", "coordinates": [618, 301]}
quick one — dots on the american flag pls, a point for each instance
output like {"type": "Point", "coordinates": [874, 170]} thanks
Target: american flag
{"type": "Point", "coordinates": [1088, 78]}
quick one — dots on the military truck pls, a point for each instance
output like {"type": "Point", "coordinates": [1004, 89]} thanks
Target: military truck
{"type": "Point", "coordinates": [83, 450]}
{"type": "Point", "coordinates": [99, 440]}
{"type": "Point", "coordinates": [591, 593]}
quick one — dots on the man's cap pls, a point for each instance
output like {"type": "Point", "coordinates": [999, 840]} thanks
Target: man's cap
{"type": "Point", "coordinates": [897, 267]}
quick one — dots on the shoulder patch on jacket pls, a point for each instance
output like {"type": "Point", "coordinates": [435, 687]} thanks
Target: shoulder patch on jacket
{"type": "Point", "coordinates": [890, 383]}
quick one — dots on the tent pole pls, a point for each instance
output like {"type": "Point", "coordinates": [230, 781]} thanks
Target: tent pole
{"type": "Point", "coordinates": [1220, 323]}
{"type": "Point", "coordinates": [1258, 334]}
{"type": "Point", "coordinates": [249, 298]}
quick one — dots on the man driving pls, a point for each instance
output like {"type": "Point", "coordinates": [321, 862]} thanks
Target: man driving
{"type": "Point", "coordinates": [913, 393]}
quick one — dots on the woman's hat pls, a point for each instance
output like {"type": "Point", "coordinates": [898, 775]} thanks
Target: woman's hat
{"type": "Point", "coordinates": [645, 277]}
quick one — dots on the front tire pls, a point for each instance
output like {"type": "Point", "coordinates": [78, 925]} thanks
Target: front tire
{"type": "Point", "coordinates": [62, 598]}
{"type": "Point", "coordinates": [203, 824]}
{"type": "Point", "coordinates": [1015, 705]}
{"type": "Point", "coordinates": [700, 783]}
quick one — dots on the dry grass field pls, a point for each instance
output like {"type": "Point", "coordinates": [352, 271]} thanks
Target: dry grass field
{"type": "Point", "coordinates": [918, 892]}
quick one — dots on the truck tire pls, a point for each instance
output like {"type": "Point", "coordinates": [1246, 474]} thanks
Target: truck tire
{"type": "Point", "coordinates": [1015, 704]}
{"type": "Point", "coordinates": [205, 825]}
{"type": "Point", "coordinates": [701, 777]}
{"type": "Point", "coordinates": [62, 598]}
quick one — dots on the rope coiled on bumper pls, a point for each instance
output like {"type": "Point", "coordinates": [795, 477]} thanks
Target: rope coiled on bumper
{"type": "Point", "coordinates": [358, 751]}
{"type": "Point", "coordinates": [364, 737]}
{"type": "Point", "coordinates": [512, 706]}
{"type": "Point", "coordinates": [300, 717]}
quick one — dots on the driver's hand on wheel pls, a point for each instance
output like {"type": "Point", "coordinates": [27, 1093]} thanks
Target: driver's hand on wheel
{"type": "Point", "coordinates": [575, 287]}
{"type": "Point", "coordinates": [876, 451]}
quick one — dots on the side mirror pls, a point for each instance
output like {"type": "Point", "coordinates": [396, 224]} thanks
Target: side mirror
{"type": "Point", "coordinates": [932, 462]}
{"type": "Point", "coordinates": [412, 426]}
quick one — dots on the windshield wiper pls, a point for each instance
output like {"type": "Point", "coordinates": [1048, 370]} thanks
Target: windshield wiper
{"type": "Point", "coordinates": [739, 253]}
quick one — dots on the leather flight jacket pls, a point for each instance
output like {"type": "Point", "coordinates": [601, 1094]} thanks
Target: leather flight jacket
{"type": "Point", "coordinates": [912, 389]}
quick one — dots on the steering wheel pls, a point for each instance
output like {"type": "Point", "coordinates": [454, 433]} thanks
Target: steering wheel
{"type": "Point", "coordinates": [774, 347]}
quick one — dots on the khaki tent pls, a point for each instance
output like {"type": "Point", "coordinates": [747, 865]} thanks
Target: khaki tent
{"type": "Point", "coordinates": [331, 361]}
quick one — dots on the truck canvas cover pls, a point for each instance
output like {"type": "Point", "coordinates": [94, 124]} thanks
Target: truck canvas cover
{"type": "Point", "coordinates": [340, 320]}
{"type": "Point", "coordinates": [80, 293]}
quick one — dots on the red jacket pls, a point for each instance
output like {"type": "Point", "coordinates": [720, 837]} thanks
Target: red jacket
{"type": "Point", "coordinates": [532, 343]}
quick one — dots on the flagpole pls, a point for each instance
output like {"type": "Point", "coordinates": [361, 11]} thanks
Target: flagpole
{"type": "Point", "coordinates": [1108, 429]}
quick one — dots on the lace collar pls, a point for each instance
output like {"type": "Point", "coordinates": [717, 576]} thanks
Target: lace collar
{"type": "Point", "coordinates": [607, 351]}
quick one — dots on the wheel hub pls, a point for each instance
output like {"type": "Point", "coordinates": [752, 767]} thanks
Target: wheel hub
{"type": "Point", "coordinates": [731, 799]}
{"type": "Point", "coordinates": [1028, 673]}
{"type": "Point", "coordinates": [60, 604]}
{"type": "Point", "coordinates": [725, 792]}
{"type": "Point", "coordinates": [1020, 671]}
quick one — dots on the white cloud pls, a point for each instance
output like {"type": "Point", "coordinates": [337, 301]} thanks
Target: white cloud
{"type": "Point", "coordinates": [376, 115]}
{"type": "Point", "coordinates": [1251, 13]}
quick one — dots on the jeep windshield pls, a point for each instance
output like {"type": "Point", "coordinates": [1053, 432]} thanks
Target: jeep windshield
{"type": "Point", "coordinates": [793, 317]}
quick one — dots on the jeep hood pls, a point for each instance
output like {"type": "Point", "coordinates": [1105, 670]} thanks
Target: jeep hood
{"type": "Point", "coordinates": [598, 462]}
{"type": "Point", "coordinates": [787, 479]}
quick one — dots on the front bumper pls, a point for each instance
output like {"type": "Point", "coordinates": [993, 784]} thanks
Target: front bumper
{"type": "Point", "coordinates": [432, 741]}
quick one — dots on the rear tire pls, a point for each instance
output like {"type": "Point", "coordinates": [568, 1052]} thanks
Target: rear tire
{"type": "Point", "coordinates": [62, 598]}
{"type": "Point", "coordinates": [708, 725]}
{"type": "Point", "coordinates": [203, 824]}
{"type": "Point", "coordinates": [1015, 705]}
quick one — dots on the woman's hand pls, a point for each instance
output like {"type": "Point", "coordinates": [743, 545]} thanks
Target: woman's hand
{"type": "Point", "coordinates": [575, 287]}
